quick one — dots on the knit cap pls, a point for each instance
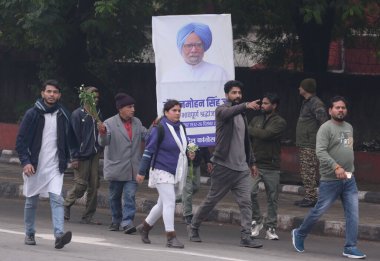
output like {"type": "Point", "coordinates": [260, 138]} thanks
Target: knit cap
{"type": "Point", "coordinates": [123, 99]}
{"type": "Point", "coordinates": [309, 85]}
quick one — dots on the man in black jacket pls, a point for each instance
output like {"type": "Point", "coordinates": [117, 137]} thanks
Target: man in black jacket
{"type": "Point", "coordinates": [266, 131]}
{"type": "Point", "coordinates": [85, 161]}
{"type": "Point", "coordinates": [312, 115]}
{"type": "Point", "coordinates": [43, 144]}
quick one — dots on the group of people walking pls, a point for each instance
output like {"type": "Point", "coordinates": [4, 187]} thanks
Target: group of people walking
{"type": "Point", "coordinates": [245, 154]}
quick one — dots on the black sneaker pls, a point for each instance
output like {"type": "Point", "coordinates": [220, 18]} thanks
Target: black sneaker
{"type": "Point", "coordinates": [308, 204]}
{"type": "Point", "coordinates": [90, 221]}
{"type": "Point", "coordinates": [193, 234]}
{"type": "Point", "coordinates": [249, 242]}
{"type": "Point", "coordinates": [30, 240]}
{"type": "Point", "coordinates": [298, 202]}
{"type": "Point", "coordinates": [188, 219]}
{"type": "Point", "coordinates": [114, 227]}
{"type": "Point", "coordinates": [63, 240]}
{"type": "Point", "coordinates": [129, 229]}
{"type": "Point", "coordinates": [66, 214]}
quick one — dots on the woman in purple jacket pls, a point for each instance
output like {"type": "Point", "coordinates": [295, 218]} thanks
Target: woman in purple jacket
{"type": "Point", "coordinates": [165, 155]}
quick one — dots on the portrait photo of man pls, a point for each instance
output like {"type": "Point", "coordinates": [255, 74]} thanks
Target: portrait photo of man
{"type": "Point", "coordinates": [193, 40]}
{"type": "Point", "coordinates": [193, 60]}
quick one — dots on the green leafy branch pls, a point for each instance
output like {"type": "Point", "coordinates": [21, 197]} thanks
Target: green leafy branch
{"type": "Point", "coordinates": [88, 101]}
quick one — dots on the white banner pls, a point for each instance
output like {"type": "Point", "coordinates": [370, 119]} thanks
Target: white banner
{"type": "Point", "coordinates": [194, 58]}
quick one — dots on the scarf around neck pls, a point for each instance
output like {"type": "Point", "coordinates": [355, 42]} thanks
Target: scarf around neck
{"type": "Point", "coordinates": [181, 170]}
{"type": "Point", "coordinates": [43, 108]}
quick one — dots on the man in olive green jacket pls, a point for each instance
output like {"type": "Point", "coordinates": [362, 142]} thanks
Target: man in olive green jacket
{"type": "Point", "coordinates": [312, 115]}
{"type": "Point", "coordinates": [266, 131]}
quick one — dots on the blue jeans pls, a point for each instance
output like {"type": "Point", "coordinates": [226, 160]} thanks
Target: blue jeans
{"type": "Point", "coordinates": [329, 191]}
{"type": "Point", "coordinates": [56, 205]}
{"type": "Point", "coordinates": [123, 216]}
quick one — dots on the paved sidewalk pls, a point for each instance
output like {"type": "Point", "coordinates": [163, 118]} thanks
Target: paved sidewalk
{"type": "Point", "coordinates": [289, 216]}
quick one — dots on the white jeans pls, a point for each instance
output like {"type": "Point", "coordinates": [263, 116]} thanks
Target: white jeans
{"type": "Point", "coordinates": [165, 206]}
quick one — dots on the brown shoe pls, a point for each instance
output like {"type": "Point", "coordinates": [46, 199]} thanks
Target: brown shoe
{"type": "Point", "coordinates": [173, 242]}
{"type": "Point", "coordinates": [143, 230]}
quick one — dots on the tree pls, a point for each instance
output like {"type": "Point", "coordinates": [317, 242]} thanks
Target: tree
{"type": "Point", "coordinates": [288, 30]}
{"type": "Point", "coordinates": [74, 38]}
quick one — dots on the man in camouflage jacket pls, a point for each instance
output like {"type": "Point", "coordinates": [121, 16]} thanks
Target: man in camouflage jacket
{"type": "Point", "coordinates": [312, 115]}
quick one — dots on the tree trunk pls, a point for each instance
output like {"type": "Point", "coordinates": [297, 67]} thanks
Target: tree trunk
{"type": "Point", "coordinates": [315, 41]}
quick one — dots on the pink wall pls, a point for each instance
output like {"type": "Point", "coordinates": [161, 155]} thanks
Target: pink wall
{"type": "Point", "coordinates": [360, 58]}
{"type": "Point", "coordinates": [8, 133]}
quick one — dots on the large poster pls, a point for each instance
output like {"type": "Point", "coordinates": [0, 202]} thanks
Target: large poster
{"type": "Point", "coordinates": [194, 58]}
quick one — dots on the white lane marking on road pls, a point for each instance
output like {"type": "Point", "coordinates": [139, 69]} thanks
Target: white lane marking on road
{"type": "Point", "coordinates": [11, 232]}
{"type": "Point", "coordinates": [100, 242]}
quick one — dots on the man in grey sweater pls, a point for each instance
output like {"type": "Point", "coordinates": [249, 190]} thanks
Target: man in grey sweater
{"type": "Point", "coordinates": [334, 149]}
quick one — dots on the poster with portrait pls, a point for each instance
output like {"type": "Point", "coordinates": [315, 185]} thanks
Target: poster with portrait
{"type": "Point", "coordinates": [194, 58]}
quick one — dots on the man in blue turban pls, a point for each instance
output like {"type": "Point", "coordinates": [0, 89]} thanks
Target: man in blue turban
{"type": "Point", "coordinates": [201, 30]}
{"type": "Point", "coordinates": [193, 40]}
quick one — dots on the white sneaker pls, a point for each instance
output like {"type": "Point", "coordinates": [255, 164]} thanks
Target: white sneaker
{"type": "Point", "coordinates": [255, 228]}
{"type": "Point", "coordinates": [271, 234]}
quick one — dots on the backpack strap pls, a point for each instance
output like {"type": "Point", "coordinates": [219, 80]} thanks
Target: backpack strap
{"type": "Point", "coordinates": [184, 129]}
{"type": "Point", "coordinates": [161, 135]}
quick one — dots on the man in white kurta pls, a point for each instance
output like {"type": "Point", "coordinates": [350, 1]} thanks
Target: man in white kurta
{"type": "Point", "coordinates": [43, 148]}
{"type": "Point", "coordinates": [47, 179]}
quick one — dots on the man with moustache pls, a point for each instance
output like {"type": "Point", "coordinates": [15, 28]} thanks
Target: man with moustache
{"type": "Point", "coordinates": [43, 144]}
{"type": "Point", "coordinates": [121, 137]}
{"type": "Point", "coordinates": [266, 131]}
{"type": "Point", "coordinates": [233, 160]}
{"type": "Point", "coordinates": [334, 149]}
